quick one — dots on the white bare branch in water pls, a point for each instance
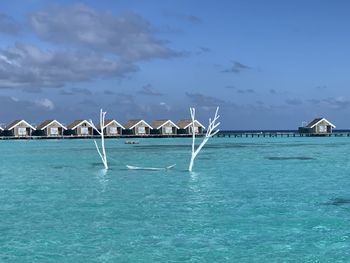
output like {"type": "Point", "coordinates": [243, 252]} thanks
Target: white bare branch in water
{"type": "Point", "coordinates": [103, 155]}
{"type": "Point", "coordinates": [213, 124]}
{"type": "Point", "coordinates": [130, 167]}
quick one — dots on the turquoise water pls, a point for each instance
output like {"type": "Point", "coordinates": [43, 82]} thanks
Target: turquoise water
{"type": "Point", "coordinates": [249, 200]}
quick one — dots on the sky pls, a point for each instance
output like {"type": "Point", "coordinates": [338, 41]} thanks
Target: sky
{"type": "Point", "coordinates": [266, 64]}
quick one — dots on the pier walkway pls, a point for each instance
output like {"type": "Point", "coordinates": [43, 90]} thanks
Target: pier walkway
{"type": "Point", "coordinates": [222, 134]}
{"type": "Point", "coordinates": [281, 133]}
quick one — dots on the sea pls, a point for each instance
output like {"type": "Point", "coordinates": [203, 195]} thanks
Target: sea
{"type": "Point", "coordinates": [247, 200]}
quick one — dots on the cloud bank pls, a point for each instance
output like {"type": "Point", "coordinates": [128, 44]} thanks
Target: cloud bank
{"type": "Point", "coordinates": [27, 66]}
{"type": "Point", "coordinates": [83, 45]}
{"type": "Point", "coordinates": [129, 37]}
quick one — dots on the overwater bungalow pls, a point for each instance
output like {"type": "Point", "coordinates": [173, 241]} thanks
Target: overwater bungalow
{"type": "Point", "coordinates": [51, 128]}
{"type": "Point", "coordinates": [113, 128]}
{"type": "Point", "coordinates": [138, 127]}
{"type": "Point", "coordinates": [185, 127]}
{"type": "Point", "coordinates": [164, 127]}
{"type": "Point", "coordinates": [19, 128]}
{"type": "Point", "coordinates": [80, 128]}
{"type": "Point", "coordinates": [1, 130]}
{"type": "Point", "coordinates": [318, 126]}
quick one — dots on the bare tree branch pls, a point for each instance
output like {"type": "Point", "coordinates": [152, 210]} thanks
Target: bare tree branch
{"type": "Point", "coordinates": [210, 133]}
{"type": "Point", "coordinates": [103, 155]}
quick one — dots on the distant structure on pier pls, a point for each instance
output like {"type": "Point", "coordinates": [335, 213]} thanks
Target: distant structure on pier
{"type": "Point", "coordinates": [138, 127]}
{"type": "Point", "coordinates": [80, 128]}
{"type": "Point", "coordinates": [112, 128]}
{"type": "Point", "coordinates": [186, 127]}
{"type": "Point", "coordinates": [51, 128]}
{"type": "Point", "coordinates": [317, 127]}
{"type": "Point", "coordinates": [165, 127]}
{"type": "Point", "coordinates": [19, 128]}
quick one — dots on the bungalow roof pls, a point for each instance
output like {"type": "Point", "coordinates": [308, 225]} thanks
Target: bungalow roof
{"type": "Point", "coordinates": [77, 123]}
{"type": "Point", "coordinates": [160, 123]}
{"type": "Point", "coordinates": [184, 124]}
{"type": "Point", "coordinates": [316, 121]}
{"type": "Point", "coordinates": [15, 123]}
{"type": "Point", "coordinates": [132, 123]}
{"type": "Point", "coordinates": [109, 122]}
{"type": "Point", "coordinates": [47, 123]}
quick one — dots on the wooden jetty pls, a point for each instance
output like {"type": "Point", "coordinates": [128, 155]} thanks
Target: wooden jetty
{"type": "Point", "coordinates": [222, 134]}
{"type": "Point", "coordinates": [72, 137]}
{"type": "Point", "coordinates": [280, 133]}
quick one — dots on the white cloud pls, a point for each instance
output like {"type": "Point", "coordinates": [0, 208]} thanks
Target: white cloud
{"type": "Point", "coordinates": [28, 67]}
{"type": "Point", "coordinates": [129, 36]}
{"type": "Point", "coordinates": [165, 105]}
{"type": "Point", "coordinates": [45, 103]}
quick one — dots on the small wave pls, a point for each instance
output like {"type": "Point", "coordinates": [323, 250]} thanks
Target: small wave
{"type": "Point", "coordinates": [301, 158]}
{"type": "Point", "coordinates": [338, 201]}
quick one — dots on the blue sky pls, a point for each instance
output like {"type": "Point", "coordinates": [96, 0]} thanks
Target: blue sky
{"type": "Point", "coordinates": [267, 64]}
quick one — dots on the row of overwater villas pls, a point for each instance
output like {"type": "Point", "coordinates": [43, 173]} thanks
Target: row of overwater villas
{"type": "Point", "coordinates": [53, 128]}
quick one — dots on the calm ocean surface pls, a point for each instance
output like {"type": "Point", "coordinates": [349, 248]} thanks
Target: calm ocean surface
{"type": "Point", "coordinates": [249, 200]}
